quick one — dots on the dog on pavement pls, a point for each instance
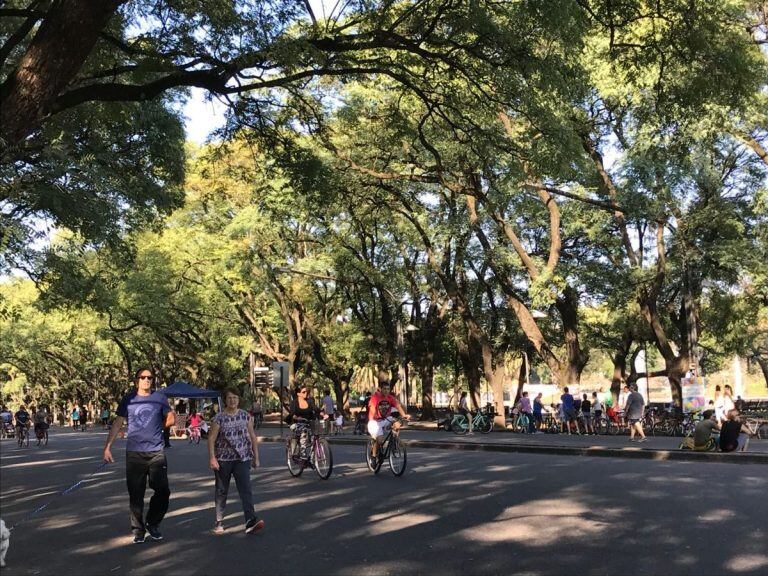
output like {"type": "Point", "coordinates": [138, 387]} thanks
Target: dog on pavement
{"type": "Point", "coordinates": [5, 542]}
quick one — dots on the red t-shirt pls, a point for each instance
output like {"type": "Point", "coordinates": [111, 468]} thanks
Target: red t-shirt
{"type": "Point", "coordinates": [195, 420]}
{"type": "Point", "coordinates": [381, 406]}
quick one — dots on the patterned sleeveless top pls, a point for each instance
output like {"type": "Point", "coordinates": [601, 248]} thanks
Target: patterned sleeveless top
{"type": "Point", "coordinates": [233, 442]}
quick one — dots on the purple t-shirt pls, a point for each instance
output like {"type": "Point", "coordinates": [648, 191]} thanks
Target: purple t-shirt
{"type": "Point", "coordinates": [146, 417]}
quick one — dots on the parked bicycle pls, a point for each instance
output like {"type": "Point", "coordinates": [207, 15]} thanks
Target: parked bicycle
{"type": "Point", "coordinates": [521, 423]}
{"type": "Point", "coordinates": [305, 449]}
{"type": "Point", "coordinates": [392, 449]}
{"type": "Point", "coordinates": [481, 421]}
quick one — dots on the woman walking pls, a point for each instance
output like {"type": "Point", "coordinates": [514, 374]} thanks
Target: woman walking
{"type": "Point", "coordinates": [232, 452]}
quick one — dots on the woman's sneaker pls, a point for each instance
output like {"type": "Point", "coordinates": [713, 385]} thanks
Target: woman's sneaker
{"type": "Point", "coordinates": [154, 533]}
{"type": "Point", "coordinates": [139, 537]}
{"type": "Point", "coordinates": [253, 525]}
{"type": "Point", "coordinates": [218, 529]}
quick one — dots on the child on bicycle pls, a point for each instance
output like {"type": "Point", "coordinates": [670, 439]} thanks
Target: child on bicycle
{"type": "Point", "coordinates": [195, 419]}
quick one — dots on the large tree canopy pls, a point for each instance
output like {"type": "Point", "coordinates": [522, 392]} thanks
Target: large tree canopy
{"type": "Point", "coordinates": [524, 183]}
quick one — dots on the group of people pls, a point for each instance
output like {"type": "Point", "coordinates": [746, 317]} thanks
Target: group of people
{"type": "Point", "coordinates": [22, 420]}
{"type": "Point", "coordinates": [383, 411]}
{"type": "Point", "coordinates": [232, 452]}
{"type": "Point", "coordinates": [232, 449]}
{"type": "Point", "coordinates": [569, 411]}
{"type": "Point", "coordinates": [721, 426]}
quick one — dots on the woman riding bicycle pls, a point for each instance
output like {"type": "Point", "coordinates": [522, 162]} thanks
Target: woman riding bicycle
{"type": "Point", "coordinates": [381, 410]}
{"type": "Point", "coordinates": [301, 408]}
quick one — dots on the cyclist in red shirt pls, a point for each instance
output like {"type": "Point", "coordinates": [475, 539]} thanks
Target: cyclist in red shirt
{"type": "Point", "coordinates": [381, 410]}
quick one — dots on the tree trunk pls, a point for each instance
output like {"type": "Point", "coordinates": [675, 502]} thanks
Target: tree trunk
{"type": "Point", "coordinates": [427, 374]}
{"type": "Point", "coordinates": [762, 361]}
{"type": "Point", "coordinates": [56, 54]}
{"type": "Point", "coordinates": [575, 358]}
{"type": "Point", "coordinates": [341, 391]}
{"type": "Point", "coordinates": [470, 356]}
{"type": "Point", "coordinates": [676, 369]}
{"type": "Point", "coordinates": [522, 377]}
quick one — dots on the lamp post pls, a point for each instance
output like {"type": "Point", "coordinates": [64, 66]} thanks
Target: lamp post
{"type": "Point", "coordinates": [647, 375]}
{"type": "Point", "coordinates": [409, 329]}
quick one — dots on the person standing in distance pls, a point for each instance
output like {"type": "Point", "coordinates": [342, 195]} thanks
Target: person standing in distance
{"type": "Point", "coordinates": [147, 412]}
{"type": "Point", "coordinates": [634, 410]}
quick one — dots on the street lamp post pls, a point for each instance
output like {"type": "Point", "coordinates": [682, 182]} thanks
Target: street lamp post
{"type": "Point", "coordinates": [647, 375]}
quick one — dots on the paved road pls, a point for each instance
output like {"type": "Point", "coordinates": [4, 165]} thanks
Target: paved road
{"type": "Point", "coordinates": [454, 512]}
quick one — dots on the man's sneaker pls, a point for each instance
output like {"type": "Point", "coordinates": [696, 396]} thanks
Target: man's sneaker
{"type": "Point", "coordinates": [643, 440]}
{"type": "Point", "coordinates": [374, 462]}
{"type": "Point", "coordinates": [253, 525]}
{"type": "Point", "coordinates": [218, 529]}
{"type": "Point", "coordinates": [154, 533]}
{"type": "Point", "coordinates": [139, 537]}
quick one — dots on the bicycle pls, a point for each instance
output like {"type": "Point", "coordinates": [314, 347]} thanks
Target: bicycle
{"type": "Point", "coordinates": [193, 434]}
{"type": "Point", "coordinates": [42, 436]}
{"type": "Point", "coordinates": [480, 421]}
{"type": "Point", "coordinates": [521, 423]}
{"type": "Point", "coordinates": [316, 452]}
{"type": "Point", "coordinates": [391, 449]}
{"type": "Point", "coordinates": [22, 435]}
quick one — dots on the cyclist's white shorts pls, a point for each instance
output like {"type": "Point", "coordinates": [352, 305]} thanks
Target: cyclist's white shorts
{"type": "Point", "coordinates": [378, 428]}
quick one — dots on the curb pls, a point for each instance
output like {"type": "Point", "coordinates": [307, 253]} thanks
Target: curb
{"type": "Point", "coordinates": [628, 452]}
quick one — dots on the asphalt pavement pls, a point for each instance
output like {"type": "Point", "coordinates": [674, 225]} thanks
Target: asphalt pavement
{"type": "Point", "coordinates": [453, 512]}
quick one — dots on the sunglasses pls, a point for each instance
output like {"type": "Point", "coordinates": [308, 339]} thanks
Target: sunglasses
{"type": "Point", "coordinates": [150, 378]}
{"type": "Point", "coordinates": [302, 391]}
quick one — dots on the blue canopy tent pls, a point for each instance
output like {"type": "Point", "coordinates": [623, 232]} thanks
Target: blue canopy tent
{"type": "Point", "coordinates": [186, 390]}
{"type": "Point", "coordinates": [181, 389]}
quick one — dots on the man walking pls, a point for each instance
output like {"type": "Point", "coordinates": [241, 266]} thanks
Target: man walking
{"type": "Point", "coordinates": [148, 413]}
{"type": "Point", "coordinates": [633, 411]}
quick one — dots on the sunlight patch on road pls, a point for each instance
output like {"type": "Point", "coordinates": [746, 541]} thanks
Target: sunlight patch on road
{"type": "Point", "coordinates": [384, 523]}
{"type": "Point", "coordinates": [747, 563]}
{"type": "Point", "coordinates": [550, 520]}
{"type": "Point", "coordinates": [718, 515]}
{"type": "Point", "coordinates": [45, 462]}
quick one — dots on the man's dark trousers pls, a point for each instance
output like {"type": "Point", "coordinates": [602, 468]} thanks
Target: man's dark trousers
{"type": "Point", "coordinates": [140, 466]}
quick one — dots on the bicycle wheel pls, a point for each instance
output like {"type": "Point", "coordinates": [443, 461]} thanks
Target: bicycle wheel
{"type": "Point", "coordinates": [398, 457]}
{"type": "Point", "coordinates": [460, 425]}
{"type": "Point", "coordinates": [293, 457]}
{"type": "Point", "coordinates": [322, 458]}
{"type": "Point", "coordinates": [368, 448]}
{"type": "Point", "coordinates": [486, 425]}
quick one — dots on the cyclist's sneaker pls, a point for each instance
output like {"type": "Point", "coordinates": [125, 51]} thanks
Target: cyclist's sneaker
{"type": "Point", "coordinates": [253, 525]}
{"type": "Point", "coordinates": [218, 529]}
{"type": "Point", "coordinates": [139, 537]}
{"type": "Point", "coordinates": [374, 461]}
{"type": "Point", "coordinates": [154, 533]}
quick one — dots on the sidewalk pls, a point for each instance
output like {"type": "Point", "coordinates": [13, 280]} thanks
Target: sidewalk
{"type": "Point", "coordinates": [425, 435]}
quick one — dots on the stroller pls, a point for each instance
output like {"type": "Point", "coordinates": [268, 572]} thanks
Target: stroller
{"type": "Point", "coordinates": [445, 423]}
{"type": "Point", "coordinates": [8, 430]}
{"type": "Point", "coordinates": [361, 423]}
